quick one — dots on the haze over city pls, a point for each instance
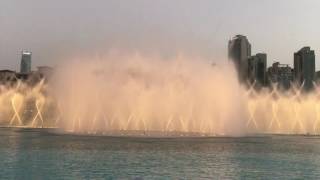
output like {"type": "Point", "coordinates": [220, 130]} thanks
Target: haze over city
{"type": "Point", "coordinates": [56, 30]}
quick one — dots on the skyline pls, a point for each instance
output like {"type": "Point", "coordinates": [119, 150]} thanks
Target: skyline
{"type": "Point", "coordinates": [54, 31]}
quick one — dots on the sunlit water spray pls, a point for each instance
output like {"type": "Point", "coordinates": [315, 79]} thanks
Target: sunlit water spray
{"type": "Point", "coordinates": [120, 94]}
{"type": "Point", "coordinates": [22, 105]}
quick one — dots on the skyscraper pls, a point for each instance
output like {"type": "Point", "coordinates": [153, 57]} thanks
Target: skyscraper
{"type": "Point", "coordinates": [25, 66]}
{"type": "Point", "coordinates": [257, 67]}
{"type": "Point", "coordinates": [239, 50]}
{"type": "Point", "coordinates": [304, 67]}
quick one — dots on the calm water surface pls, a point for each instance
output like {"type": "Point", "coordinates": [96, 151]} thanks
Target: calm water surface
{"type": "Point", "coordinates": [43, 154]}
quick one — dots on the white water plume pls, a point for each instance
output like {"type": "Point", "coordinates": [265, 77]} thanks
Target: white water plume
{"type": "Point", "coordinates": [136, 93]}
{"type": "Point", "coordinates": [22, 105]}
{"type": "Point", "coordinates": [139, 94]}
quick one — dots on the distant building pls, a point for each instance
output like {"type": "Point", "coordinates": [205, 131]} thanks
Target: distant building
{"type": "Point", "coordinates": [23, 76]}
{"type": "Point", "coordinates": [25, 66]}
{"type": "Point", "coordinates": [282, 74]}
{"type": "Point", "coordinates": [239, 50]}
{"type": "Point", "coordinates": [7, 77]}
{"type": "Point", "coordinates": [304, 67]}
{"type": "Point", "coordinates": [257, 68]}
{"type": "Point", "coordinates": [30, 79]}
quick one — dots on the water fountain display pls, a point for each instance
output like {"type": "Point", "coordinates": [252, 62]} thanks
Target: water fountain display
{"type": "Point", "coordinates": [150, 95]}
{"type": "Point", "coordinates": [26, 106]}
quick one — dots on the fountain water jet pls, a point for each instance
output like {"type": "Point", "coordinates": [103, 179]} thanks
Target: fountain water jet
{"type": "Point", "coordinates": [123, 93]}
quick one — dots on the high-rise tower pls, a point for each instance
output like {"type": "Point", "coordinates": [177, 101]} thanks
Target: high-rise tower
{"type": "Point", "coordinates": [257, 68]}
{"type": "Point", "coordinates": [304, 67]}
{"type": "Point", "coordinates": [25, 66]}
{"type": "Point", "coordinates": [239, 50]}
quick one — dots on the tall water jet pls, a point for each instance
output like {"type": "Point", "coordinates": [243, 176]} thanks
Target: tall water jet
{"type": "Point", "coordinates": [147, 95]}
{"type": "Point", "coordinates": [136, 93]}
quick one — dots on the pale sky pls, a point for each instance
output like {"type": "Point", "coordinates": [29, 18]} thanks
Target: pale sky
{"type": "Point", "coordinates": [55, 29]}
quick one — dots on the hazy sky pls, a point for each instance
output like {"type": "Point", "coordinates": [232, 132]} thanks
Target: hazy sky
{"type": "Point", "coordinates": [55, 29]}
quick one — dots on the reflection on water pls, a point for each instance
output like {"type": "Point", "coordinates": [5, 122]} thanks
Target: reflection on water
{"type": "Point", "coordinates": [44, 154]}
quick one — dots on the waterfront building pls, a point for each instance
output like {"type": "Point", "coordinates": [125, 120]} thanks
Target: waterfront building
{"type": "Point", "coordinates": [239, 50]}
{"type": "Point", "coordinates": [304, 67]}
{"type": "Point", "coordinates": [7, 77]}
{"type": "Point", "coordinates": [281, 74]}
{"type": "Point", "coordinates": [25, 66]}
{"type": "Point", "coordinates": [257, 67]}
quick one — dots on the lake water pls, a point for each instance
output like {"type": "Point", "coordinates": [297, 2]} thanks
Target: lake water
{"type": "Point", "coordinates": [44, 154]}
